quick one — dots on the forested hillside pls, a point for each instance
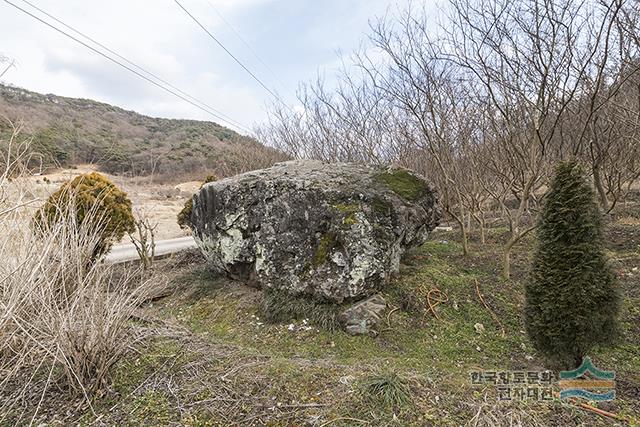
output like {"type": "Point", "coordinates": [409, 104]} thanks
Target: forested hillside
{"type": "Point", "coordinates": [70, 131]}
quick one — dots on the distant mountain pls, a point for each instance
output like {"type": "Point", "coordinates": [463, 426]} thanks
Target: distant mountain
{"type": "Point", "coordinates": [70, 131]}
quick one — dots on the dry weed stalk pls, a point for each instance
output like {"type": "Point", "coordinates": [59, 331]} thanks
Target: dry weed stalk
{"type": "Point", "coordinates": [64, 318]}
{"type": "Point", "coordinates": [144, 240]}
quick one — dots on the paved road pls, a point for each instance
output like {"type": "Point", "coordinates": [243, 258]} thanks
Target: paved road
{"type": "Point", "coordinates": [127, 252]}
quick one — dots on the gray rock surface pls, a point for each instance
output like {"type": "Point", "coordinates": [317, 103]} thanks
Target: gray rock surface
{"type": "Point", "coordinates": [362, 317]}
{"type": "Point", "coordinates": [334, 231]}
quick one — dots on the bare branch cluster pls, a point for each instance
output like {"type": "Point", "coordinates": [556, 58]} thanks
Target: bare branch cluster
{"type": "Point", "coordinates": [484, 104]}
{"type": "Point", "coordinates": [144, 239]}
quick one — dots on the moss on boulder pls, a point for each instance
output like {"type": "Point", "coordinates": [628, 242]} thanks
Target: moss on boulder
{"type": "Point", "coordinates": [184, 216]}
{"type": "Point", "coordinates": [404, 183]}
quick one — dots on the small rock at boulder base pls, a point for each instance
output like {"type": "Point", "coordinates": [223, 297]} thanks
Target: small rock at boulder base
{"type": "Point", "coordinates": [362, 317]}
{"type": "Point", "coordinates": [334, 231]}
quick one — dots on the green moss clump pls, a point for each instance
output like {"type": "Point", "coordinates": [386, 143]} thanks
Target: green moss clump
{"type": "Point", "coordinates": [184, 216]}
{"type": "Point", "coordinates": [403, 183]}
{"type": "Point", "coordinates": [327, 242]}
{"type": "Point", "coordinates": [350, 219]}
{"type": "Point", "coordinates": [350, 212]}
{"type": "Point", "coordinates": [345, 208]}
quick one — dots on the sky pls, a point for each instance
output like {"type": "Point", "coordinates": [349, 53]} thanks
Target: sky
{"type": "Point", "coordinates": [296, 39]}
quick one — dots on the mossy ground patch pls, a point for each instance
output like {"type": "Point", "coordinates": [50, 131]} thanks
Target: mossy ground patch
{"type": "Point", "coordinates": [349, 211]}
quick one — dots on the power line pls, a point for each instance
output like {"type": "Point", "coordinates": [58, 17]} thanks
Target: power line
{"type": "Point", "coordinates": [8, 67]}
{"type": "Point", "coordinates": [248, 46]}
{"type": "Point", "coordinates": [228, 119]}
{"type": "Point", "coordinates": [93, 49]}
{"type": "Point", "coordinates": [229, 52]}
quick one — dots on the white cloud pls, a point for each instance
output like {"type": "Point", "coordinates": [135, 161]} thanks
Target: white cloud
{"type": "Point", "coordinates": [294, 37]}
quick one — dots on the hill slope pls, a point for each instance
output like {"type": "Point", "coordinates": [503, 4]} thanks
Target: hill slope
{"type": "Point", "coordinates": [70, 131]}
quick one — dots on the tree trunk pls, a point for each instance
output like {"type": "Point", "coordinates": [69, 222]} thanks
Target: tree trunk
{"type": "Point", "coordinates": [506, 256]}
{"type": "Point", "coordinates": [460, 219]}
{"type": "Point", "coordinates": [597, 182]}
{"type": "Point", "coordinates": [465, 245]}
{"type": "Point", "coordinates": [463, 233]}
{"type": "Point", "coordinates": [463, 230]}
{"type": "Point", "coordinates": [481, 223]}
{"type": "Point", "coordinates": [506, 264]}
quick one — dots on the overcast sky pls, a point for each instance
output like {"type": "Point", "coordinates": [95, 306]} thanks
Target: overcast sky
{"type": "Point", "coordinates": [295, 38]}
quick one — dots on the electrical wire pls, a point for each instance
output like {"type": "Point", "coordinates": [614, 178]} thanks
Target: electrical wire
{"type": "Point", "coordinates": [244, 67]}
{"type": "Point", "coordinates": [206, 109]}
{"type": "Point", "coordinates": [248, 46]}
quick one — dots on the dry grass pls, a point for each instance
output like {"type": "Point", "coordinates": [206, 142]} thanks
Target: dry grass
{"type": "Point", "coordinates": [65, 319]}
{"type": "Point", "coordinates": [490, 413]}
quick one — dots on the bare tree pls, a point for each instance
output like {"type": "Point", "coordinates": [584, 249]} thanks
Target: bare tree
{"type": "Point", "coordinates": [485, 104]}
{"type": "Point", "coordinates": [528, 60]}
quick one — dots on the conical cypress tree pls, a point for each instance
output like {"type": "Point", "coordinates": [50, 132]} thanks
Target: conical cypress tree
{"type": "Point", "coordinates": [571, 297]}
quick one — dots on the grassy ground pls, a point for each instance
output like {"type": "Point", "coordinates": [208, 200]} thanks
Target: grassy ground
{"type": "Point", "coordinates": [215, 361]}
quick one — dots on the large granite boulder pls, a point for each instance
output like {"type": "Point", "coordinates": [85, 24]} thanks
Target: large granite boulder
{"type": "Point", "coordinates": [334, 231]}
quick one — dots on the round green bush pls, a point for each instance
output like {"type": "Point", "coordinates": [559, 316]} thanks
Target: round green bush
{"type": "Point", "coordinates": [93, 198]}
